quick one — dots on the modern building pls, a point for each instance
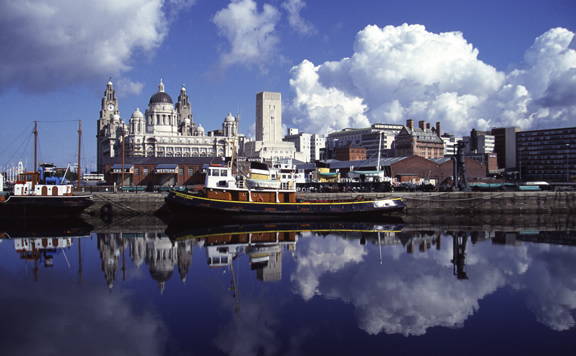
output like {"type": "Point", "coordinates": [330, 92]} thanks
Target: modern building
{"type": "Point", "coordinates": [505, 146]}
{"type": "Point", "coordinates": [422, 141]}
{"type": "Point", "coordinates": [480, 142]}
{"type": "Point", "coordinates": [378, 138]}
{"type": "Point", "coordinates": [309, 145]}
{"type": "Point", "coordinates": [548, 155]}
{"type": "Point", "coordinates": [163, 130]}
{"type": "Point", "coordinates": [450, 144]}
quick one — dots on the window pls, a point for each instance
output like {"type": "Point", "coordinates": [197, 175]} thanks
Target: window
{"type": "Point", "coordinates": [190, 171]}
{"type": "Point", "coordinates": [181, 172]}
{"type": "Point", "coordinates": [137, 171]}
{"type": "Point", "coordinates": [145, 172]}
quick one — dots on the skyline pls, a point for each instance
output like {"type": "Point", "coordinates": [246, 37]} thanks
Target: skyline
{"type": "Point", "coordinates": [337, 64]}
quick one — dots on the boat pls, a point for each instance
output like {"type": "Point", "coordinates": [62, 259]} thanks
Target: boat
{"type": "Point", "coordinates": [41, 194]}
{"type": "Point", "coordinates": [225, 194]}
{"type": "Point", "coordinates": [30, 196]}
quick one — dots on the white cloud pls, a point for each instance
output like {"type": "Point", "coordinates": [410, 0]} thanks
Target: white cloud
{"type": "Point", "coordinates": [323, 256]}
{"type": "Point", "coordinates": [406, 72]}
{"type": "Point", "coordinates": [323, 109]}
{"type": "Point", "coordinates": [126, 87]}
{"type": "Point", "coordinates": [47, 44]}
{"type": "Point", "coordinates": [295, 20]}
{"type": "Point", "coordinates": [250, 34]}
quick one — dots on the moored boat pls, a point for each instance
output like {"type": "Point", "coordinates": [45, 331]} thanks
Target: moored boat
{"type": "Point", "coordinates": [225, 194]}
{"type": "Point", "coordinates": [31, 197]}
{"type": "Point", "coordinates": [41, 193]}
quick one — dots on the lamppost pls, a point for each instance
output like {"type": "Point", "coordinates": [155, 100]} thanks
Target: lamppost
{"type": "Point", "coordinates": [520, 165]}
{"type": "Point", "coordinates": [567, 165]}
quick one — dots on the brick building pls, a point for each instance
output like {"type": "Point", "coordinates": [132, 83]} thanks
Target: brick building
{"type": "Point", "coordinates": [350, 152]}
{"type": "Point", "coordinates": [158, 171]}
{"type": "Point", "coordinates": [436, 170]}
{"type": "Point", "coordinates": [422, 141]}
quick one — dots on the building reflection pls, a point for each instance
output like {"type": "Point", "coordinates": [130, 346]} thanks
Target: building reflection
{"type": "Point", "coordinates": [264, 245]}
{"type": "Point", "coordinates": [156, 250]}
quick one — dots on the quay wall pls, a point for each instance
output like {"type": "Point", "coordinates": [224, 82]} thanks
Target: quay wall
{"type": "Point", "coordinates": [417, 203]}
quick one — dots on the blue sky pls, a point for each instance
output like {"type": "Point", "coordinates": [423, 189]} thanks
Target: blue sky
{"type": "Point", "coordinates": [468, 64]}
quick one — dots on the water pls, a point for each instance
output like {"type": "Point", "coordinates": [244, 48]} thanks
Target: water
{"type": "Point", "coordinates": [135, 288]}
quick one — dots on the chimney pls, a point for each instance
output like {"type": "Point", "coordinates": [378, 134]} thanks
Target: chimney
{"type": "Point", "coordinates": [438, 132]}
{"type": "Point", "coordinates": [427, 126]}
{"type": "Point", "coordinates": [410, 124]}
{"type": "Point", "coordinates": [422, 125]}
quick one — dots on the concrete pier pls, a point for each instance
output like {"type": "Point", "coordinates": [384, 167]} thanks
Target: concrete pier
{"type": "Point", "coordinates": [456, 203]}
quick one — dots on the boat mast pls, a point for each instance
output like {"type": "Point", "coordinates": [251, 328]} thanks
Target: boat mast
{"type": "Point", "coordinates": [35, 145]}
{"type": "Point", "coordinates": [379, 148]}
{"type": "Point", "coordinates": [79, 150]}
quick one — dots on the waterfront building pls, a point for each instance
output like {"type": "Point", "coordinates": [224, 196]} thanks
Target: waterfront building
{"type": "Point", "coordinates": [163, 130]}
{"type": "Point", "coordinates": [450, 144]}
{"type": "Point", "coordinates": [505, 146]}
{"type": "Point", "coordinates": [376, 138]}
{"type": "Point", "coordinates": [157, 171]}
{"type": "Point", "coordinates": [350, 152]}
{"type": "Point", "coordinates": [480, 142]}
{"type": "Point", "coordinates": [548, 155]}
{"type": "Point", "coordinates": [309, 145]}
{"type": "Point", "coordinates": [268, 144]}
{"type": "Point", "coordinates": [421, 141]}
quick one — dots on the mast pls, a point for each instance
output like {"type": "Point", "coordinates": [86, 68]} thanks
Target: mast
{"type": "Point", "coordinates": [79, 150]}
{"type": "Point", "coordinates": [379, 148]}
{"type": "Point", "coordinates": [35, 145]}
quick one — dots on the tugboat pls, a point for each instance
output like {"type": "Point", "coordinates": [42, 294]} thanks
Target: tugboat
{"type": "Point", "coordinates": [224, 194]}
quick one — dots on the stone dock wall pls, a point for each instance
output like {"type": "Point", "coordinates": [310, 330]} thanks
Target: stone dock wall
{"type": "Point", "coordinates": [417, 203]}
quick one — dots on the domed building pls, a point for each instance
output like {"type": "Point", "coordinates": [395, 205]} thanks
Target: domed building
{"type": "Point", "coordinates": [164, 137]}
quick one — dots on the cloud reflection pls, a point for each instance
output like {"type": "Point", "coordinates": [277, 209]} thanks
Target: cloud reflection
{"type": "Point", "coordinates": [88, 321]}
{"type": "Point", "coordinates": [410, 293]}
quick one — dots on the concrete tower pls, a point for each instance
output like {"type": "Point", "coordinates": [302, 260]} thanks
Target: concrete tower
{"type": "Point", "coordinates": [269, 117]}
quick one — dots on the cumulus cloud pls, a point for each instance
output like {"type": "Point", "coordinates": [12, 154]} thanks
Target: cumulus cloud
{"type": "Point", "coordinates": [250, 34]}
{"type": "Point", "coordinates": [45, 44]}
{"type": "Point", "coordinates": [323, 109]}
{"type": "Point", "coordinates": [404, 72]}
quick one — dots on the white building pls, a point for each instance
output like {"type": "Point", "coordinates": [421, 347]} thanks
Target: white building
{"type": "Point", "coordinates": [368, 137]}
{"type": "Point", "coordinates": [163, 130]}
{"type": "Point", "coordinates": [450, 144]}
{"type": "Point", "coordinates": [309, 145]}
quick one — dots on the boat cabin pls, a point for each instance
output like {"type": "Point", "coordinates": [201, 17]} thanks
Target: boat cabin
{"type": "Point", "coordinates": [222, 185]}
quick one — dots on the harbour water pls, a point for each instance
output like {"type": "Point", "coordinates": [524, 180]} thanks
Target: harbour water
{"type": "Point", "coordinates": [417, 286]}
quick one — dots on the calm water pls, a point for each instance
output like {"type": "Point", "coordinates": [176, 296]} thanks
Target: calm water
{"type": "Point", "coordinates": [298, 289]}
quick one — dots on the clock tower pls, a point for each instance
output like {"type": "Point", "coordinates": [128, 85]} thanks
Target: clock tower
{"type": "Point", "coordinates": [105, 131]}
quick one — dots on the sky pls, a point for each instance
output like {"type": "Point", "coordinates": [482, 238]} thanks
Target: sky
{"type": "Point", "coordinates": [467, 64]}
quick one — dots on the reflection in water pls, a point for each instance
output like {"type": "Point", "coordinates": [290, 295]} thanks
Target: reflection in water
{"type": "Point", "coordinates": [395, 279]}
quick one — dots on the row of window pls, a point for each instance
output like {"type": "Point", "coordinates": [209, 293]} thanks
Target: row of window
{"type": "Point", "coordinates": [146, 171]}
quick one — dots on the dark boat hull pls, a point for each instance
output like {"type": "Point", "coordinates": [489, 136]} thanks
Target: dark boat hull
{"type": "Point", "coordinates": [186, 203]}
{"type": "Point", "coordinates": [45, 206]}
